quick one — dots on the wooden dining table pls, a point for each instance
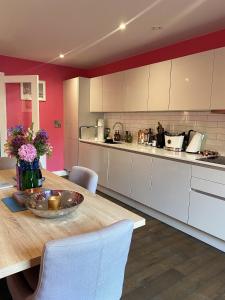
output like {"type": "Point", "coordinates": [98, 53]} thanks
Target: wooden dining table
{"type": "Point", "coordinates": [23, 235]}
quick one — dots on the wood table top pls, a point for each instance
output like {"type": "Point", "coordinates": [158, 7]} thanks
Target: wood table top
{"type": "Point", "coordinates": [23, 235]}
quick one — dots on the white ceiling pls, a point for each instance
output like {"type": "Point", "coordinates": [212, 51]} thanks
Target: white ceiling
{"type": "Point", "coordinates": [41, 29]}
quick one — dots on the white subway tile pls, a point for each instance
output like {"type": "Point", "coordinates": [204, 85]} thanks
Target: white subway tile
{"type": "Point", "coordinates": [213, 125]}
{"type": "Point", "coordinates": [216, 117]}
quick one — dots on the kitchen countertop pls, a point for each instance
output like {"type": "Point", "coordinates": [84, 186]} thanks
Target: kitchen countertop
{"type": "Point", "coordinates": [157, 152]}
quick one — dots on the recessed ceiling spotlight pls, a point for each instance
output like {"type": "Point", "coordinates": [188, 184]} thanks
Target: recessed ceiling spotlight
{"type": "Point", "coordinates": [122, 26]}
{"type": "Point", "coordinates": [61, 55]}
{"type": "Point", "coordinates": [156, 27]}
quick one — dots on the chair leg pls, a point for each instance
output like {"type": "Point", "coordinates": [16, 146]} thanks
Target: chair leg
{"type": "Point", "coordinates": [18, 287]}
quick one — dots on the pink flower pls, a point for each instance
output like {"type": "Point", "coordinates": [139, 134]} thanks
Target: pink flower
{"type": "Point", "coordinates": [27, 152]}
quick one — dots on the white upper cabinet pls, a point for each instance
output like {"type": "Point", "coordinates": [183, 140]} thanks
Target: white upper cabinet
{"type": "Point", "coordinates": [113, 92]}
{"type": "Point", "coordinates": [136, 89]}
{"type": "Point", "coordinates": [96, 94]}
{"type": "Point", "coordinates": [218, 86]}
{"type": "Point", "coordinates": [159, 86]}
{"type": "Point", "coordinates": [191, 81]}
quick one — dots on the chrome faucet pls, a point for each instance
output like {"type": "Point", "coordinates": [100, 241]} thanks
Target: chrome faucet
{"type": "Point", "coordinates": [122, 129]}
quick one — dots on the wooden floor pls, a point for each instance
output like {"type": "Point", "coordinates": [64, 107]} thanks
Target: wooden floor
{"type": "Point", "coordinates": [166, 264]}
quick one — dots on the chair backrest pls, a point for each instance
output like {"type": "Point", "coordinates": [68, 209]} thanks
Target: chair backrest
{"type": "Point", "coordinates": [84, 177]}
{"type": "Point", "coordinates": [7, 163]}
{"type": "Point", "coordinates": [89, 266]}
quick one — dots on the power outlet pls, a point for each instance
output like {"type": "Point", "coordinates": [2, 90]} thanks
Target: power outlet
{"type": "Point", "coordinates": [57, 124]}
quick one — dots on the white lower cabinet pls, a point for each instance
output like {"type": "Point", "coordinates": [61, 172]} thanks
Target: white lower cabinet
{"type": "Point", "coordinates": [119, 172]}
{"type": "Point", "coordinates": [95, 158]}
{"type": "Point", "coordinates": [171, 188]}
{"type": "Point", "coordinates": [141, 178]}
{"type": "Point", "coordinates": [207, 213]}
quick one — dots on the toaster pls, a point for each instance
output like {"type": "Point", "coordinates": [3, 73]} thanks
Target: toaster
{"type": "Point", "coordinates": [174, 142]}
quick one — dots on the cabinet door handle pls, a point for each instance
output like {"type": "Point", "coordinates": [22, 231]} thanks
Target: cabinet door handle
{"type": "Point", "coordinates": [208, 194]}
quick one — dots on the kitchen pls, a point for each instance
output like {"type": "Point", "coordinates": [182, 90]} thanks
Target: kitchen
{"type": "Point", "coordinates": [152, 126]}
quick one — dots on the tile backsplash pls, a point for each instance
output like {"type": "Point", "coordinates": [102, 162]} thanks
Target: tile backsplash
{"type": "Point", "coordinates": [212, 125]}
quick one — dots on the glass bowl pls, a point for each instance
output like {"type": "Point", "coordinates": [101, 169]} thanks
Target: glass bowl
{"type": "Point", "coordinates": [52, 203]}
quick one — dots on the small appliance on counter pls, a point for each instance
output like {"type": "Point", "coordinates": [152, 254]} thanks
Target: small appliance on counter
{"type": "Point", "coordinates": [87, 132]}
{"type": "Point", "coordinates": [100, 127]}
{"type": "Point", "coordinates": [195, 144]}
{"type": "Point", "coordinates": [174, 142]}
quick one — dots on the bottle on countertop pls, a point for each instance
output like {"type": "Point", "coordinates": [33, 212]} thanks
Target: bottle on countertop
{"type": "Point", "coordinates": [106, 133]}
{"type": "Point", "coordinates": [129, 137]}
{"type": "Point", "coordinates": [117, 136]}
{"type": "Point", "coordinates": [150, 136]}
{"type": "Point", "coordinates": [139, 136]}
{"type": "Point", "coordinates": [146, 132]}
{"type": "Point", "coordinates": [126, 136]}
{"type": "Point", "coordinates": [160, 136]}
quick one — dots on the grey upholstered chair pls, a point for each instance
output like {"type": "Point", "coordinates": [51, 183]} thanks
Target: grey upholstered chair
{"type": "Point", "coordinates": [84, 177]}
{"type": "Point", "coordinates": [7, 163]}
{"type": "Point", "coordinates": [89, 266]}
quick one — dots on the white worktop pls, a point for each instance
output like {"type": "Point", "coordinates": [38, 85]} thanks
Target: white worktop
{"type": "Point", "coordinates": [149, 150]}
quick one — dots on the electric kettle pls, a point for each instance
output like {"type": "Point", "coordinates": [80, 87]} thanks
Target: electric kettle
{"type": "Point", "coordinates": [195, 143]}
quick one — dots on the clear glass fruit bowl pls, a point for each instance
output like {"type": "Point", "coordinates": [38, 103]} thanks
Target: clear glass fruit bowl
{"type": "Point", "coordinates": [52, 203]}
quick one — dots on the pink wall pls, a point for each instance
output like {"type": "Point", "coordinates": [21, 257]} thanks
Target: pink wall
{"type": "Point", "coordinates": [195, 45]}
{"type": "Point", "coordinates": [52, 109]}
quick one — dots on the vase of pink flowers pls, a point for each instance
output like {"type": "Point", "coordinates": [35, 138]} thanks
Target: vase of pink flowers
{"type": "Point", "coordinates": [27, 146]}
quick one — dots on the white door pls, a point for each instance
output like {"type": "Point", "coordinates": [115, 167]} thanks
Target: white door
{"type": "Point", "coordinates": [113, 92]}
{"type": "Point", "coordinates": [96, 94]}
{"type": "Point", "coordinates": [136, 89]}
{"type": "Point", "coordinates": [95, 158]}
{"type": "Point", "coordinates": [159, 86]}
{"type": "Point", "coordinates": [171, 188]}
{"type": "Point", "coordinates": [218, 86]}
{"type": "Point", "coordinates": [191, 81]}
{"type": "Point", "coordinates": [141, 177]}
{"type": "Point", "coordinates": [120, 169]}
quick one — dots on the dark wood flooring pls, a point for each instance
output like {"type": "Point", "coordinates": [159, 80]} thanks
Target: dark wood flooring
{"type": "Point", "coordinates": [166, 264]}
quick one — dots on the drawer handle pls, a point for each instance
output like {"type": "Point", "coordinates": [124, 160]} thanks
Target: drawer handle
{"type": "Point", "coordinates": [208, 194]}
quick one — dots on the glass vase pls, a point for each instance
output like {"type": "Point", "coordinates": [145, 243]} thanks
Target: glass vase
{"type": "Point", "coordinates": [28, 175]}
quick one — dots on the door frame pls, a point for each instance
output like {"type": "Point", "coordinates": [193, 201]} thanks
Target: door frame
{"type": "Point", "coordinates": [5, 79]}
